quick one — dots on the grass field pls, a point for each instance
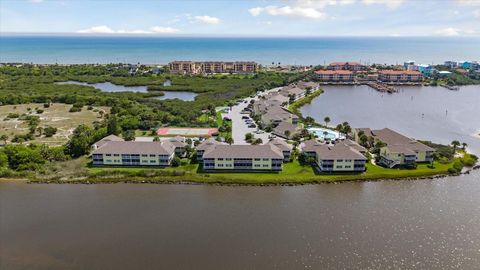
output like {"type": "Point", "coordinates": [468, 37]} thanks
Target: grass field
{"type": "Point", "coordinates": [293, 173]}
{"type": "Point", "coordinates": [57, 115]}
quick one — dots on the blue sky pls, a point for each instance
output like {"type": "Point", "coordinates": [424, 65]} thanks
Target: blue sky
{"type": "Point", "coordinates": [244, 18]}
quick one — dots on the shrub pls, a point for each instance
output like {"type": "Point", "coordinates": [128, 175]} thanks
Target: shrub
{"type": "Point", "coordinates": [176, 161]}
{"type": "Point", "coordinates": [49, 131]}
{"type": "Point", "coordinates": [40, 111]}
{"type": "Point", "coordinates": [13, 115]}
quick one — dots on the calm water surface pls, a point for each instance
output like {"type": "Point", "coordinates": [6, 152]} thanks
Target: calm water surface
{"type": "Point", "coordinates": [429, 224]}
{"type": "Point", "coordinates": [110, 87]}
{"type": "Point", "coordinates": [306, 51]}
{"type": "Point", "coordinates": [427, 113]}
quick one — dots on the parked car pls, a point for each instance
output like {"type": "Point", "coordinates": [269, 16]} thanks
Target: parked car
{"type": "Point", "coordinates": [252, 126]}
{"type": "Point", "coordinates": [245, 117]}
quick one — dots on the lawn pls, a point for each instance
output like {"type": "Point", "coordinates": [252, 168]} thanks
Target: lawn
{"type": "Point", "coordinates": [293, 173]}
{"type": "Point", "coordinates": [57, 115]}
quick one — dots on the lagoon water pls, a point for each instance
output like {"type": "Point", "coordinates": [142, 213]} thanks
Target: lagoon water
{"type": "Point", "coordinates": [426, 224]}
{"type": "Point", "coordinates": [426, 113]}
{"type": "Point", "coordinates": [110, 87]}
{"type": "Point", "coordinates": [306, 51]}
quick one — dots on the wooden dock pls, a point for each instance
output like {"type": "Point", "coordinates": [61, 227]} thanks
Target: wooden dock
{"type": "Point", "coordinates": [381, 87]}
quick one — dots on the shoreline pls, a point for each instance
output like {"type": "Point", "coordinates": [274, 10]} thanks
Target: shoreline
{"type": "Point", "coordinates": [219, 183]}
{"type": "Point", "coordinates": [170, 181]}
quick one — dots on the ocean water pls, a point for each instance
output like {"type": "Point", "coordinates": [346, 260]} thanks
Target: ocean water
{"type": "Point", "coordinates": [307, 51]}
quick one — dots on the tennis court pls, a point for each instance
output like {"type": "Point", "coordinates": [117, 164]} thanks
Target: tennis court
{"type": "Point", "coordinates": [188, 132]}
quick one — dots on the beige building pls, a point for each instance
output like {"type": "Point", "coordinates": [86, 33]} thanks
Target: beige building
{"type": "Point", "coordinates": [399, 76]}
{"type": "Point", "coordinates": [212, 67]}
{"type": "Point", "coordinates": [399, 149]}
{"type": "Point", "coordinates": [352, 66]}
{"type": "Point", "coordinates": [334, 75]}
{"type": "Point", "coordinates": [344, 156]}
{"type": "Point", "coordinates": [266, 157]}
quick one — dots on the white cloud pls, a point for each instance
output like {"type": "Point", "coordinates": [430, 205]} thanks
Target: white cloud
{"type": "Point", "coordinates": [207, 19]}
{"type": "Point", "coordinates": [103, 29]}
{"type": "Point", "coordinates": [36, 1]}
{"type": "Point", "coordinates": [468, 2]}
{"type": "Point", "coordinates": [164, 30]}
{"type": "Point", "coordinates": [255, 11]}
{"type": "Point", "coordinates": [451, 31]}
{"type": "Point", "coordinates": [290, 11]}
{"type": "Point", "coordinates": [389, 3]}
{"type": "Point", "coordinates": [476, 13]}
{"type": "Point", "coordinates": [310, 9]}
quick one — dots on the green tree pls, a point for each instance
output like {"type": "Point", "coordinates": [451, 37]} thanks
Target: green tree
{"type": "Point", "coordinates": [80, 142]}
{"type": "Point", "coordinates": [129, 135]}
{"type": "Point", "coordinates": [326, 120]}
{"type": "Point", "coordinates": [464, 146]}
{"type": "Point", "coordinates": [229, 140]}
{"type": "Point", "coordinates": [176, 161]}
{"type": "Point", "coordinates": [248, 137]}
{"type": "Point", "coordinates": [112, 125]}
{"type": "Point", "coordinates": [455, 144]}
{"type": "Point", "coordinates": [4, 138]}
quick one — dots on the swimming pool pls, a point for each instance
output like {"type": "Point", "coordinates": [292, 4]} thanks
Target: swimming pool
{"type": "Point", "coordinates": [326, 134]}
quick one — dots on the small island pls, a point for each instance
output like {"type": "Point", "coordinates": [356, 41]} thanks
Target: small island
{"type": "Point", "coordinates": [243, 126]}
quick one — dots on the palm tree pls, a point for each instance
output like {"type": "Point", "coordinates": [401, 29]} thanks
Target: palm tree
{"type": "Point", "coordinates": [326, 120]}
{"type": "Point", "coordinates": [229, 140]}
{"type": "Point", "coordinates": [455, 144]}
{"type": "Point", "coordinates": [464, 145]}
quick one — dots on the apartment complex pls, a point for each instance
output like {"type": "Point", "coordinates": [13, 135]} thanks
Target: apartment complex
{"type": "Point", "coordinates": [114, 151]}
{"type": "Point", "coordinates": [211, 67]}
{"type": "Point", "coordinates": [266, 157]}
{"type": "Point", "coordinates": [344, 156]}
{"type": "Point", "coordinates": [399, 76]}
{"type": "Point", "coordinates": [399, 150]}
{"type": "Point", "coordinates": [352, 66]}
{"type": "Point", "coordinates": [334, 75]}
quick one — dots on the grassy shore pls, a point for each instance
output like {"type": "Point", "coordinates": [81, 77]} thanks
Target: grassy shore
{"type": "Point", "coordinates": [293, 173]}
{"type": "Point", "coordinates": [295, 106]}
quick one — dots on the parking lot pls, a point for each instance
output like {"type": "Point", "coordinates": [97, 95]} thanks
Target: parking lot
{"type": "Point", "coordinates": [240, 127]}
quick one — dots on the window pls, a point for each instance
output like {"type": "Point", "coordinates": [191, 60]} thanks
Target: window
{"type": "Point", "coordinates": [220, 165]}
{"type": "Point", "coordinates": [348, 160]}
{"type": "Point", "coordinates": [152, 155]}
{"type": "Point", "coordinates": [348, 167]}
{"type": "Point", "coordinates": [108, 155]}
{"type": "Point", "coordinates": [116, 155]}
{"type": "Point", "coordinates": [144, 155]}
{"type": "Point", "coordinates": [265, 165]}
{"type": "Point", "coordinates": [257, 165]}
{"type": "Point", "coordinates": [219, 158]}
{"type": "Point", "coordinates": [152, 161]}
{"type": "Point", "coordinates": [229, 159]}
{"type": "Point", "coordinates": [257, 159]}
{"type": "Point", "coordinates": [339, 167]}
{"type": "Point", "coordinates": [265, 159]}
{"type": "Point", "coordinates": [339, 160]}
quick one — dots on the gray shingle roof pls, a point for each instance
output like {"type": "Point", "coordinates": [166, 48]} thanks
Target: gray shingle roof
{"type": "Point", "coordinates": [338, 151]}
{"type": "Point", "coordinates": [132, 147]}
{"type": "Point", "coordinates": [281, 144]}
{"type": "Point", "coordinates": [398, 141]}
{"type": "Point", "coordinates": [208, 143]}
{"type": "Point", "coordinates": [244, 151]}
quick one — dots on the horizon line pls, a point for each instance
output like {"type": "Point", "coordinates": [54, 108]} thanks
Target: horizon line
{"type": "Point", "coordinates": [158, 35]}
